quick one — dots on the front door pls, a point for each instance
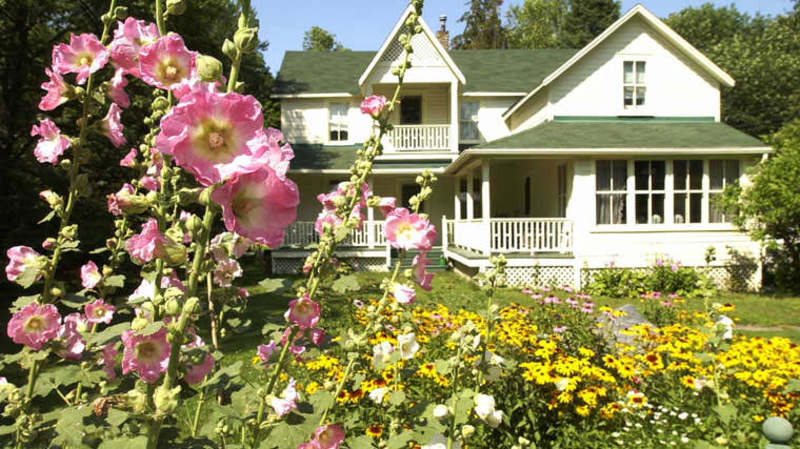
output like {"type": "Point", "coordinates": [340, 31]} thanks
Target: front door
{"type": "Point", "coordinates": [406, 192]}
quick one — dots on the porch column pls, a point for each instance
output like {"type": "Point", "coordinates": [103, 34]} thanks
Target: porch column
{"type": "Point", "coordinates": [457, 198]}
{"type": "Point", "coordinates": [470, 200]}
{"type": "Point", "coordinates": [370, 220]}
{"type": "Point", "coordinates": [486, 205]}
{"type": "Point", "coordinates": [454, 116]}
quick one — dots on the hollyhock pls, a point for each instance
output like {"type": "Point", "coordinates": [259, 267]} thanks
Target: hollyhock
{"type": "Point", "coordinates": [386, 205]}
{"type": "Point", "coordinates": [373, 105]}
{"type": "Point", "coordinates": [195, 373]}
{"type": "Point", "coordinates": [143, 247]}
{"type": "Point", "coordinates": [421, 275]}
{"type": "Point", "coordinates": [117, 89]}
{"type": "Point", "coordinates": [84, 55]}
{"type": "Point", "coordinates": [20, 259]}
{"type": "Point", "coordinates": [404, 294]}
{"type": "Point", "coordinates": [56, 89]}
{"type": "Point", "coordinates": [130, 159]}
{"type": "Point", "coordinates": [378, 394]}
{"type": "Point", "coordinates": [147, 289]}
{"type": "Point", "coordinates": [407, 231]}
{"type": "Point", "coordinates": [108, 360]}
{"type": "Point", "coordinates": [268, 142]}
{"type": "Point", "coordinates": [149, 183]}
{"type": "Point", "coordinates": [407, 344]}
{"type": "Point", "coordinates": [120, 202]}
{"type": "Point", "coordinates": [303, 312]}
{"type": "Point", "coordinates": [129, 37]}
{"type": "Point", "coordinates": [266, 351]}
{"type": "Point", "coordinates": [381, 353]}
{"type": "Point", "coordinates": [485, 409]}
{"type": "Point", "coordinates": [316, 336]}
{"type": "Point", "coordinates": [258, 205]}
{"type": "Point", "coordinates": [51, 143]}
{"type": "Point", "coordinates": [288, 400]}
{"type": "Point", "coordinates": [166, 62]}
{"type": "Point", "coordinates": [329, 436]}
{"type": "Point", "coordinates": [147, 355]}
{"type": "Point", "coordinates": [112, 126]}
{"type": "Point", "coordinates": [438, 441]}
{"type": "Point", "coordinates": [34, 325]}
{"type": "Point", "coordinates": [209, 134]}
{"type": "Point", "coordinates": [559, 329]}
{"type": "Point", "coordinates": [90, 275]}
{"type": "Point", "coordinates": [227, 270]}
{"type": "Point", "coordinates": [99, 312]}
{"type": "Point", "coordinates": [72, 344]}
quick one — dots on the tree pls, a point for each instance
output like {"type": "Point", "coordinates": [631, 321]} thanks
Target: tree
{"type": "Point", "coordinates": [586, 19]}
{"type": "Point", "coordinates": [483, 28]}
{"type": "Point", "coordinates": [535, 23]}
{"type": "Point", "coordinates": [769, 207]}
{"type": "Point", "coordinates": [320, 39]}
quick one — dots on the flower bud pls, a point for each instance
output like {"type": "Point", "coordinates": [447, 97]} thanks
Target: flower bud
{"type": "Point", "coordinates": [120, 12]}
{"type": "Point", "coordinates": [176, 7]}
{"type": "Point", "coordinates": [246, 39]}
{"type": "Point", "coordinates": [166, 400]}
{"type": "Point", "coordinates": [51, 198]}
{"type": "Point", "coordinates": [56, 292]}
{"type": "Point", "coordinates": [191, 306]}
{"type": "Point", "coordinates": [467, 431]}
{"type": "Point", "coordinates": [160, 104]}
{"type": "Point", "coordinates": [173, 307]}
{"type": "Point", "coordinates": [107, 271]}
{"type": "Point", "coordinates": [49, 243]}
{"type": "Point", "coordinates": [209, 68]}
{"type": "Point", "coordinates": [138, 323]}
{"type": "Point", "coordinates": [69, 232]}
{"type": "Point", "coordinates": [229, 49]}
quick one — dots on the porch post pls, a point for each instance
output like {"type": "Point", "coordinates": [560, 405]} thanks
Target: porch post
{"type": "Point", "coordinates": [457, 198]}
{"type": "Point", "coordinates": [470, 199]}
{"type": "Point", "coordinates": [486, 205]}
{"type": "Point", "coordinates": [454, 116]}
{"type": "Point", "coordinates": [370, 220]}
{"type": "Point", "coordinates": [445, 237]}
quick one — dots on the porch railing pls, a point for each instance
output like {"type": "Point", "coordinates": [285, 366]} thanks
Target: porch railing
{"type": "Point", "coordinates": [510, 235]}
{"type": "Point", "coordinates": [417, 138]}
{"type": "Point", "coordinates": [301, 234]}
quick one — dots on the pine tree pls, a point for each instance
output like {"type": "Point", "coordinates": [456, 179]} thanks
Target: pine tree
{"type": "Point", "coordinates": [586, 19]}
{"type": "Point", "coordinates": [483, 29]}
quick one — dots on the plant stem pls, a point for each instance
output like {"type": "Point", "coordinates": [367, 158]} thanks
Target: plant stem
{"type": "Point", "coordinates": [339, 388]}
{"type": "Point", "coordinates": [160, 18]}
{"type": "Point", "coordinates": [271, 386]}
{"type": "Point", "coordinates": [212, 316]}
{"type": "Point", "coordinates": [197, 412]}
{"type": "Point", "coordinates": [452, 431]}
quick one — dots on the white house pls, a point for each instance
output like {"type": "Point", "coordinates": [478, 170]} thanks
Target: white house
{"type": "Point", "coordinates": [564, 159]}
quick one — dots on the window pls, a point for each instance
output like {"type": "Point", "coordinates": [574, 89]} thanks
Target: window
{"type": "Point", "coordinates": [468, 121]}
{"type": "Point", "coordinates": [687, 177]}
{"type": "Point", "coordinates": [633, 89]}
{"type": "Point", "coordinates": [649, 194]}
{"type": "Point", "coordinates": [611, 184]}
{"type": "Point", "coordinates": [411, 110]}
{"type": "Point", "coordinates": [337, 124]}
{"type": "Point", "coordinates": [721, 174]}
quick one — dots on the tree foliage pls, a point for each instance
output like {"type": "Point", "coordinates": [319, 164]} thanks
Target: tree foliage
{"type": "Point", "coordinates": [535, 23]}
{"type": "Point", "coordinates": [320, 39]}
{"type": "Point", "coordinates": [483, 27]}
{"type": "Point", "coordinates": [768, 207]}
{"type": "Point", "coordinates": [586, 19]}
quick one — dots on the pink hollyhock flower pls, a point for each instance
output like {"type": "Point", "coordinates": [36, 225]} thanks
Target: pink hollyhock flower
{"type": "Point", "coordinates": [130, 159]}
{"type": "Point", "coordinates": [90, 275]}
{"type": "Point", "coordinates": [21, 258]}
{"type": "Point", "coordinates": [329, 436]}
{"type": "Point", "coordinates": [117, 89]}
{"type": "Point", "coordinates": [149, 183]}
{"type": "Point", "coordinates": [55, 87]}
{"type": "Point", "coordinates": [329, 217]}
{"type": "Point", "coordinates": [404, 294]}
{"type": "Point", "coordinates": [208, 134]}
{"type": "Point", "coordinates": [84, 55]}
{"type": "Point", "coordinates": [266, 351]}
{"type": "Point", "coordinates": [297, 349]}
{"type": "Point", "coordinates": [147, 290]}
{"type": "Point", "coordinates": [316, 335]}
{"type": "Point", "coordinates": [99, 312]}
{"type": "Point", "coordinates": [386, 205]}
{"type": "Point", "coordinates": [288, 400]}
{"type": "Point", "coordinates": [146, 245]}
{"type": "Point", "coordinates": [108, 361]}
{"type": "Point", "coordinates": [373, 105]}
{"type": "Point", "coordinates": [406, 231]}
{"type": "Point", "coordinates": [48, 244]}
{"type": "Point", "coordinates": [34, 325]}
{"type": "Point", "coordinates": [72, 344]}
{"type": "Point", "coordinates": [308, 445]}
{"type": "Point", "coordinates": [51, 144]}
{"type": "Point", "coordinates": [421, 275]}
{"type": "Point", "coordinates": [147, 355]}
{"type": "Point", "coordinates": [129, 37]}
{"type": "Point", "coordinates": [196, 373]}
{"type": "Point", "coordinates": [112, 126]}
{"type": "Point", "coordinates": [303, 312]}
{"type": "Point", "coordinates": [240, 245]}
{"type": "Point", "coordinates": [243, 293]}
{"type": "Point", "coordinates": [258, 205]}
{"type": "Point", "coordinates": [226, 271]}
{"type": "Point", "coordinates": [119, 202]}
{"type": "Point", "coordinates": [166, 62]}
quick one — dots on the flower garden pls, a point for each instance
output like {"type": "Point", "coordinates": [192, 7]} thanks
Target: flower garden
{"type": "Point", "coordinates": [161, 339]}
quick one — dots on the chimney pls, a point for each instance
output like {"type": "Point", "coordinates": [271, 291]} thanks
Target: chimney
{"type": "Point", "coordinates": [443, 35]}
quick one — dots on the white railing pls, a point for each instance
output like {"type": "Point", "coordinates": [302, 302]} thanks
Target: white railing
{"type": "Point", "coordinates": [510, 235]}
{"type": "Point", "coordinates": [413, 138]}
{"type": "Point", "coordinates": [301, 234]}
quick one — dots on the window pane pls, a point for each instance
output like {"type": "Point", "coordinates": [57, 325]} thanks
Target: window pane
{"type": "Point", "coordinates": [627, 72]}
{"type": "Point", "coordinates": [642, 202]}
{"type": "Point", "coordinates": [628, 96]}
{"type": "Point", "coordinates": [468, 110]}
{"type": "Point", "coordinates": [658, 172]}
{"type": "Point", "coordinates": [679, 175]}
{"type": "Point", "coordinates": [334, 135]}
{"type": "Point", "coordinates": [603, 175]}
{"type": "Point", "coordinates": [343, 134]}
{"type": "Point", "coordinates": [639, 72]}
{"type": "Point", "coordinates": [620, 175]}
{"type": "Point", "coordinates": [715, 173]}
{"type": "Point", "coordinates": [338, 110]}
{"type": "Point", "coordinates": [695, 175]}
{"type": "Point", "coordinates": [680, 208]}
{"type": "Point", "coordinates": [462, 194]}
{"type": "Point", "coordinates": [618, 208]}
{"type": "Point", "coordinates": [468, 131]}
{"type": "Point", "coordinates": [714, 214]}
{"type": "Point", "coordinates": [640, 91]}
{"type": "Point", "coordinates": [731, 171]}
{"type": "Point", "coordinates": [657, 215]}
{"type": "Point", "coordinates": [641, 170]}
{"type": "Point", "coordinates": [411, 110]}
{"type": "Point", "coordinates": [695, 206]}
{"type": "Point", "coordinates": [603, 209]}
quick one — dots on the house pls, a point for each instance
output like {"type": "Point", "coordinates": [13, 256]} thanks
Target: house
{"type": "Point", "coordinates": [565, 160]}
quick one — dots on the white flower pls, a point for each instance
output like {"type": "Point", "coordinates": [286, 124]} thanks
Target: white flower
{"type": "Point", "coordinates": [145, 290]}
{"type": "Point", "coordinates": [495, 419]}
{"type": "Point", "coordinates": [562, 384]}
{"type": "Point", "coordinates": [227, 270]}
{"type": "Point", "coordinates": [440, 442]}
{"type": "Point", "coordinates": [381, 353]}
{"type": "Point", "coordinates": [684, 439]}
{"type": "Point", "coordinates": [408, 345]}
{"type": "Point", "coordinates": [683, 416]}
{"type": "Point", "coordinates": [440, 411]}
{"type": "Point", "coordinates": [377, 395]}
{"type": "Point", "coordinates": [484, 406]}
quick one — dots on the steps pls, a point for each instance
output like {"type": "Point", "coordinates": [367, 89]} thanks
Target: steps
{"type": "Point", "coordinates": [434, 255]}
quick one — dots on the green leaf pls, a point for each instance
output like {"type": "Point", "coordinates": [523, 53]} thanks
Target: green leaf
{"type": "Point", "coordinates": [362, 442]}
{"type": "Point", "coordinates": [321, 400]}
{"type": "Point", "coordinates": [231, 371]}
{"type": "Point", "coordinates": [55, 377]}
{"type": "Point", "coordinates": [70, 421]}
{"type": "Point", "coordinates": [139, 442]}
{"type": "Point", "coordinates": [272, 285]}
{"type": "Point", "coordinates": [399, 440]}
{"type": "Point", "coordinates": [98, 250]}
{"type": "Point", "coordinates": [346, 284]}
{"type": "Point", "coordinates": [28, 276]}
{"type": "Point", "coordinates": [152, 328]}
{"type": "Point", "coordinates": [117, 280]}
{"type": "Point", "coordinates": [397, 397]}
{"type": "Point", "coordinates": [726, 413]}
{"type": "Point", "coordinates": [74, 301]}
{"type": "Point", "coordinates": [463, 406]}
{"type": "Point", "coordinates": [107, 334]}
{"type": "Point", "coordinates": [23, 301]}
{"type": "Point", "coordinates": [793, 386]}
{"type": "Point", "coordinates": [116, 417]}
{"type": "Point", "coordinates": [47, 217]}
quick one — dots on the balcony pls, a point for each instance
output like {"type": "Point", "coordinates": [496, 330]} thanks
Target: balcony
{"type": "Point", "coordinates": [418, 138]}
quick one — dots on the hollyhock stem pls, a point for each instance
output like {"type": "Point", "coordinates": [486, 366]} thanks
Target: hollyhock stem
{"type": "Point", "coordinates": [196, 420]}
{"type": "Point", "coordinates": [160, 17]}
{"type": "Point", "coordinates": [271, 386]}
{"type": "Point", "coordinates": [212, 316]}
{"type": "Point", "coordinates": [339, 388]}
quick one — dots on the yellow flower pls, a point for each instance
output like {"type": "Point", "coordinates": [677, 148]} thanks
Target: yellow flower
{"type": "Point", "coordinates": [375, 430]}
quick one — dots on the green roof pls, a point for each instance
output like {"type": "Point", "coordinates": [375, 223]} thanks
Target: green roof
{"type": "Point", "coordinates": [630, 133]}
{"type": "Point", "coordinates": [484, 70]}
{"type": "Point", "coordinates": [323, 157]}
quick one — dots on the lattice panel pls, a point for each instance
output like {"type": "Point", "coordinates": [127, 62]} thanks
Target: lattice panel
{"type": "Point", "coordinates": [425, 53]}
{"type": "Point", "coordinates": [557, 275]}
{"type": "Point", "coordinates": [367, 263]}
{"type": "Point", "coordinates": [286, 265]}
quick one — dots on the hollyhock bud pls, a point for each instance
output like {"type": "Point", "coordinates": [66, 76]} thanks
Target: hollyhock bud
{"type": "Point", "coordinates": [124, 201]}
{"type": "Point", "coordinates": [209, 68]}
{"type": "Point", "coordinates": [51, 143]}
{"type": "Point", "coordinates": [48, 243]}
{"type": "Point", "coordinates": [99, 312]}
{"type": "Point", "coordinates": [246, 39]}
{"type": "Point", "coordinates": [147, 355]}
{"type": "Point", "coordinates": [90, 275]}
{"type": "Point", "coordinates": [23, 262]}
{"type": "Point", "coordinates": [34, 325]}
{"type": "Point", "coordinates": [112, 125]}
{"type": "Point", "coordinates": [373, 105]}
{"type": "Point", "coordinates": [176, 7]}
{"type": "Point", "coordinates": [303, 312]}
{"type": "Point", "coordinates": [53, 199]}
{"type": "Point", "coordinates": [58, 92]}
{"type": "Point", "coordinates": [84, 55]}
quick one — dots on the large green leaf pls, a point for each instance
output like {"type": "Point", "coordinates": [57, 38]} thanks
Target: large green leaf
{"type": "Point", "coordinates": [57, 376]}
{"type": "Point", "coordinates": [139, 442]}
{"type": "Point", "coordinates": [69, 425]}
{"type": "Point", "coordinates": [107, 334]}
{"type": "Point", "coordinates": [346, 284]}
{"type": "Point", "coordinates": [272, 285]}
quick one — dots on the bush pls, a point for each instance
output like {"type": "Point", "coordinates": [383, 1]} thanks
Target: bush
{"type": "Point", "coordinates": [664, 277]}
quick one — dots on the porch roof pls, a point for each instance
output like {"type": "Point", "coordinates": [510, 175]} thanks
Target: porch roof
{"type": "Point", "coordinates": [315, 158]}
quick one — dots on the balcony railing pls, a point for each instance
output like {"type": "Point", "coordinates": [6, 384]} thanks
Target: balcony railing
{"type": "Point", "coordinates": [510, 235]}
{"type": "Point", "coordinates": [418, 138]}
{"type": "Point", "coordinates": [301, 234]}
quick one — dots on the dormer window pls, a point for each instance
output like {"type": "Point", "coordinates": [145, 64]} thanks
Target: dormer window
{"type": "Point", "coordinates": [634, 88]}
{"type": "Point", "coordinates": [337, 121]}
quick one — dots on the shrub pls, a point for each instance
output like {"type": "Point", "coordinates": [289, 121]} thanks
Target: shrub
{"type": "Point", "coordinates": [664, 276]}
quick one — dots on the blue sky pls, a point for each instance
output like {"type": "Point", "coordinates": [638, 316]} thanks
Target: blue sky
{"type": "Point", "coordinates": [364, 24]}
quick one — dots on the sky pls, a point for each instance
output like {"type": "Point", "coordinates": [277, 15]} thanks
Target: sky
{"type": "Point", "coordinates": [364, 24]}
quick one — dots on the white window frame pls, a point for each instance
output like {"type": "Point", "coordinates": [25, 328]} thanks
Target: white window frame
{"type": "Point", "coordinates": [471, 121]}
{"type": "Point", "coordinates": [612, 191]}
{"type": "Point", "coordinates": [338, 125]}
{"type": "Point", "coordinates": [687, 190]}
{"type": "Point", "coordinates": [716, 191]}
{"type": "Point", "coordinates": [636, 85]}
{"type": "Point", "coordinates": [650, 192]}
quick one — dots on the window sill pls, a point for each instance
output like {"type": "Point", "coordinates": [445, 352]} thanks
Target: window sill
{"type": "Point", "coordinates": [339, 143]}
{"type": "Point", "coordinates": [694, 227]}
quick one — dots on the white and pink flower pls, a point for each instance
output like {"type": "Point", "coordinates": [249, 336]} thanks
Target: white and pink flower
{"type": "Point", "coordinates": [303, 312]}
{"type": "Point", "coordinates": [20, 259]}
{"type": "Point", "coordinates": [112, 125]}
{"type": "Point", "coordinates": [56, 89]}
{"type": "Point", "coordinates": [406, 230]}
{"type": "Point", "coordinates": [34, 325]}
{"type": "Point", "coordinates": [84, 55]}
{"type": "Point", "coordinates": [287, 401]}
{"type": "Point", "coordinates": [99, 312]}
{"type": "Point", "coordinates": [373, 105]}
{"type": "Point", "coordinates": [90, 275]}
{"type": "Point", "coordinates": [404, 294]}
{"type": "Point", "coordinates": [72, 344]}
{"type": "Point", "coordinates": [51, 143]}
{"type": "Point", "coordinates": [226, 271]}
{"type": "Point", "coordinates": [166, 62]}
{"type": "Point", "coordinates": [147, 355]}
